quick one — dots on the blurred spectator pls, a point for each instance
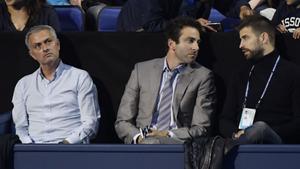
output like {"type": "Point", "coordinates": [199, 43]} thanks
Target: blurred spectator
{"type": "Point", "coordinates": [112, 2]}
{"type": "Point", "coordinates": [242, 8]}
{"type": "Point", "coordinates": [20, 15]}
{"type": "Point", "coordinates": [64, 2]}
{"type": "Point", "coordinates": [152, 15]}
{"type": "Point", "coordinates": [287, 17]}
{"type": "Point", "coordinates": [85, 4]}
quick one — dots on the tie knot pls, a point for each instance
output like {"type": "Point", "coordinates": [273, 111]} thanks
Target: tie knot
{"type": "Point", "coordinates": [172, 74]}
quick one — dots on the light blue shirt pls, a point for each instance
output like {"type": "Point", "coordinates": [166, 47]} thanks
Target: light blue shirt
{"type": "Point", "coordinates": [58, 2]}
{"type": "Point", "coordinates": [51, 111]}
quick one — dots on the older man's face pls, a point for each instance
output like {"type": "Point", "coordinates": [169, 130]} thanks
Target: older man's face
{"type": "Point", "coordinates": [43, 47]}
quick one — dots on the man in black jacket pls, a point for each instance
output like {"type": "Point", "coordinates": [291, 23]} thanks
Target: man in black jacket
{"type": "Point", "coordinates": [152, 15]}
{"type": "Point", "coordinates": [262, 104]}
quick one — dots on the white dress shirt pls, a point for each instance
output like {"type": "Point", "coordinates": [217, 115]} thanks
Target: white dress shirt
{"type": "Point", "coordinates": [51, 111]}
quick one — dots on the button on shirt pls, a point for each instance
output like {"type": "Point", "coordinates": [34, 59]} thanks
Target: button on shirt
{"type": "Point", "coordinates": [51, 111]}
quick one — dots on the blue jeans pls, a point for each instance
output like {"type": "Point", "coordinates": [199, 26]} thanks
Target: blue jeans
{"type": "Point", "coordinates": [259, 133]}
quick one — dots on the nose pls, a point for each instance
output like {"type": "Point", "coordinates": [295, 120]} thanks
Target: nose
{"type": "Point", "coordinates": [195, 46]}
{"type": "Point", "coordinates": [241, 44]}
{"type": "Point", "coordinates": [45, 47]}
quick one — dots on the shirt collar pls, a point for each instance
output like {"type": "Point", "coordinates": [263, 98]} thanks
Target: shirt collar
{"type": "Point", "coordinates": [180, 68]}
{"type": "Point", "coordinates": [58, 71]}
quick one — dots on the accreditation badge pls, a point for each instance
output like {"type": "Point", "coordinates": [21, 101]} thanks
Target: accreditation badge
{"type": "Point", "coordinates": [247, 118]}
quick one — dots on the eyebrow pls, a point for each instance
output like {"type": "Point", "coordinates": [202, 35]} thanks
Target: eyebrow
{"type": "Point", "coordinates": [43, 41]}
{"type": "Point", "coordinates": [192, 38]}
{"type": "Point", "coordinates": [244, 36]}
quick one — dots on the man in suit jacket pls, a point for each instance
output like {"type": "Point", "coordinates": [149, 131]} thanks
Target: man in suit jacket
{"type": "Point", "coordinates": [192, 100]}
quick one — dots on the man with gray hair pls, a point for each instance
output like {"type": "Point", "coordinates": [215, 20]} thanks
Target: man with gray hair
{"type": "Point", "coordinates": [57, 103]}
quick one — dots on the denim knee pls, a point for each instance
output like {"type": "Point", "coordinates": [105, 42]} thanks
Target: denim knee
{"type": "Point", "coordinates": [257, 131]}
{"type": "Point", "coordinates": [261, 125]}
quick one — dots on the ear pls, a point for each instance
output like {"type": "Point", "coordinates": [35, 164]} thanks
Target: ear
{"type": "Point", "coordinates": [171, 44]}
{"type": "Point", "coordinates": [30, 53]}
{"type": "Point", "coordinates": [58, 43]}
{"type": "Point", "coordinates": [264, 37]}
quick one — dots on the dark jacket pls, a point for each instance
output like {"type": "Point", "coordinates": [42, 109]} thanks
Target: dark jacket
{"type": "Point", "coordinates": [7, 143]}
{"type": "Point", "coordinates": [231, 8]}
{"type": "Point", "coordinates": [47, 16]}
{"type": "Point", "coordinates": [152, 15]}
{"type": "Point", "coordinates": [279, 107]}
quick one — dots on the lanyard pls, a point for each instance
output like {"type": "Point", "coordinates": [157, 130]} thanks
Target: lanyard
{"type": "Point", "coordinates": [266, 87]}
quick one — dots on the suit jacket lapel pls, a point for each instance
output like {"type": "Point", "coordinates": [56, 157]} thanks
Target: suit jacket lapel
{"type": "Point", "coordinates": [183, 81]}
{"type": "Point", "coordinates": [155, 82]}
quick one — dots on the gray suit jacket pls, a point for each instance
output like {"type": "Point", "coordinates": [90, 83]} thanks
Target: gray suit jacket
{"type": "Point", "coordinates": [193, 105]}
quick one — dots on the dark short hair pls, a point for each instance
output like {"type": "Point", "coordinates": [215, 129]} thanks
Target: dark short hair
{"type": "Point", "coordinates": [259, 24]}
{"type": "Point", "coordinates": [174, 27]}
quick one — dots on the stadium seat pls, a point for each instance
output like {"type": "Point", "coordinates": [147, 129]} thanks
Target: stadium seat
{"type": "Point", "coordinates": [71, 18]}
{"type": "Point", "coordinates": [92, 16]}
{"type": "Point", "coordinates": [107, 20]}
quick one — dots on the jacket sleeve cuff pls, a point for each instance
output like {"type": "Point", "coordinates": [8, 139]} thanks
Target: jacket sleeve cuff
{"type": "Point", "coordinates": [171, 134]}
{"type": "Point", "coordinates": [134, 140]}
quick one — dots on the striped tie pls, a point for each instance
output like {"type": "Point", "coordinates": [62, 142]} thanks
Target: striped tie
{"type": "Point", "coordinates": [164, 117]}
